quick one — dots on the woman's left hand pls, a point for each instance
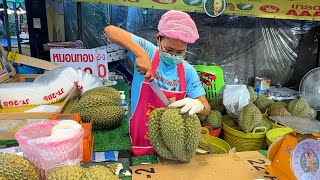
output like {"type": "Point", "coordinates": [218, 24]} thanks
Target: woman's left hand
{"type": "Point", "coordinates": [192, 106]}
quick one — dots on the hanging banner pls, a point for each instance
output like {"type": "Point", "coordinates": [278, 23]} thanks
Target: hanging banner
{"type": "Point", "coordinates": [279, 9]}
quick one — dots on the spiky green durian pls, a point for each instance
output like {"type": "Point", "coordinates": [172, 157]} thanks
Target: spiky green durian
{"type": "Point", "coordinates": [217, 105]}
{"type": "Point", "coordinates": [253, 94]}
{"type": "Point", "coordinates": [172, 135]}
{"type": "Point", "coordinates": [66, 172]}
{"type": "Point", "coordinates": [276, 105]}
{"type": "Point", "coordinates": [103, 91]}
{"type": "Point", "coordinates": [16, 167]}
{"type": "Point", "coordinates": [99, 172]}
{"type": "Point", "coordinates": [299, 107]}
{"type": "Point", "coordinates": [93, 101]}
{"type": "Point", "coordinates": [154, 132]}
{"type": "Point", "coordinates": [311, 113]}
{"type": "Point", "coordinates": [262, 102]}
{"type": "Point", "coordinates": [229, 122]}
{"type": "Point", "coordinates": [249, 117]}
{"type": "Point", "coordinates": [279, 111]}
{"type": "Point", "coordinates": [265, 124]}
{"type": "Point", "coordinates": [214, 119]}
{"type": "Point", "coordinates": [104, 117]}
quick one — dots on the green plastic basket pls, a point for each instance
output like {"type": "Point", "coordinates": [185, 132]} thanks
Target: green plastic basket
{"type": "Point", "coordinates": [214, 85]}
{"type": "Point", "coordinates": [220, 146]}
{"type": "Point", "coordinates": [244, 141]}
{"type": "Point", "coordinates": [274, 134]}
{"type": "Point", "coordinates": [273, 123]}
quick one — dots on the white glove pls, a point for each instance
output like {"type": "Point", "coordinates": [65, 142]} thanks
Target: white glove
{"type": "Point", "coordinates": [191, 105]}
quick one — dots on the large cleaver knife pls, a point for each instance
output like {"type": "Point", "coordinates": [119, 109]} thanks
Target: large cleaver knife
{"type": "Point", "coordinates": [154, 85]}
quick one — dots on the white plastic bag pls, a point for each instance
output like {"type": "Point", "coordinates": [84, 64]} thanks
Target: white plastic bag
{"type": "Point", "coordinates": [235, 97]}
{"type": "Point", "coordinates": [48, 88]}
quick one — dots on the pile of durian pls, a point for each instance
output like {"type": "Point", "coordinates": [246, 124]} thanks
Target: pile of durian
{"type": "Point", "coordinates": [174, 136]}
{"type": "Point", "coordinates": [102, 105]}
{"type": "Point", "coordinates": [96, 172]}
{"type": "Point", "coordinates": [250, 116]}
{"type": "Point", "coordinates": [16, 167]}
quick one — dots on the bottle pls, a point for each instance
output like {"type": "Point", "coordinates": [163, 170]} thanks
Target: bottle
{"type": "Point", "coordinates": [235, 80]}
{"type": "Point", "coordinates": [123, 103]}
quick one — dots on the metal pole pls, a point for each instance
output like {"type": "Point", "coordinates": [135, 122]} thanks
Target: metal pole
{"type": "Point", "coordinates": [17, 27]}
{"type": "Point", "coordinates": [6, 24]}
{"type": "Point", "coordinates": [79, 20]}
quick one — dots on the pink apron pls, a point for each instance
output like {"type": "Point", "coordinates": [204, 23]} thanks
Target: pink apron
{"type": "Point", "coordinates": [147, 102]}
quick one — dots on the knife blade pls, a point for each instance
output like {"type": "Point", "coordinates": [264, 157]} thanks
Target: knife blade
{"type": "Point", "coordinates": [154, 85]}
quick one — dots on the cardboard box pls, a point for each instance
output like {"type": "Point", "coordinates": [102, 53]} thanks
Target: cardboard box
{"type": "Point", "coordinates": [248, 165]}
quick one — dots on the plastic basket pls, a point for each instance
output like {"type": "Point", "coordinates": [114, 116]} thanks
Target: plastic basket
{"type": "Point", "coordinates": [244, 141]}
{"type": "Point", "coordinates": [212, 132]}
{"type": "Point", "coordinates": [274, 134]}
{"type": "Point", "coordinates": [47, 155]}
{"type": "Point", "coordinates": [273, 123]}
{"type": "Point", "coordinates": [212, 80]}
{"type": "Point", "coordinates": [220, 146]}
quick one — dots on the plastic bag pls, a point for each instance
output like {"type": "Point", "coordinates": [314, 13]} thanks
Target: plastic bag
{"type": "Point", "coordinates": [48, 88]}
{"type": "Point", "coordinates": [46, 153]}
{"type": "Point", "coordinates": [235, 97]}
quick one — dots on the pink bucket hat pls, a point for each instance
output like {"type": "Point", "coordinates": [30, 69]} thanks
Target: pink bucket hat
{"type": "Point", "coordinates": [178, 25]}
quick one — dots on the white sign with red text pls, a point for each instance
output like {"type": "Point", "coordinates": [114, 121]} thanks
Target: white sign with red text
{"type": "Point", "coordinates": [85, 59]}
{"type": "Point", "coordinates": [102, 60]}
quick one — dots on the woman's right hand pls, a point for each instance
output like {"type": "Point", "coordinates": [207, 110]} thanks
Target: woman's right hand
{"type": "Point", "coordinates": [143, 66]}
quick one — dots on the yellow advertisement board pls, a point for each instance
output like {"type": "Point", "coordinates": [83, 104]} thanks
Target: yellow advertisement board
{"type": "Point", "coordinates": [280, 9]}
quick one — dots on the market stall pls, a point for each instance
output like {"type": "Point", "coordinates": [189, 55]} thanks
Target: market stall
{"type": "Point", "coordinates": [73, 119]}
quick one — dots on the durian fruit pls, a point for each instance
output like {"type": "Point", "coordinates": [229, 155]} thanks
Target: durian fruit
{"type": "Point", "coordinates": [280, 111]}
{"type": "Point", "coordinates": [217, 105]}
{"type": "Point", "coordinates": [103, 91]}
{"type": "Point", "coordinates": [14, 167]}
{"type": "Point", "coordinates": [299, 107]}
{"type": "Point", "coordinates": [311, 113]}
{"type": "Point", "coordinates": [172, 135]}
{"type": "Point", "coordinates": [104, 117]}
{"type": "Point", "coordinates": [229, 122]}
{"type": "Point", "coordinates": [263, 103]}
{"type": "Point", "coordinates": [66, 172]}
{"type": "Point", "coordinates": [97, 100]}
{"type": "Point", "coordinates": [249, 117]}
{"type": "Point", "coordinates": [214, 119]}
{"type": "Point", "coordinates": [276, 105]}
{"type": "Point", "coordinates": [202, 117]}
{"type": "Point", "coordinates": [102, 105]}
{"type": "Point", "coordinates": [253, 94]}
{"type": "Point", "coordinates": [78, 173]}
{"type": "Point", "coordinates": [155, 136]}
{"type": "Point", "coordinates": [265, 124]}
{"type": "Point", "coordinates": [98, 172]}
{"type": "Point", "coordinates": [238, 128]}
